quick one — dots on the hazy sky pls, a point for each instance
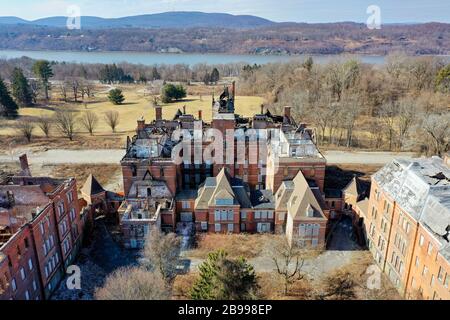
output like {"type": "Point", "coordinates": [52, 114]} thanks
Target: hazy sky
{"type": "Point", "coordinates": [392, 11]}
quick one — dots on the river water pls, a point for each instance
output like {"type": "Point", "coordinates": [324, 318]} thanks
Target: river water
{"type": "Point", "coordinates": [171, 58]}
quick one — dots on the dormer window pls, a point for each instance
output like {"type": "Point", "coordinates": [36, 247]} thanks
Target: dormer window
{"type": "Point", "coordinates": [224, 202]}
{"type": "Point", "coordinates": [310, 212]}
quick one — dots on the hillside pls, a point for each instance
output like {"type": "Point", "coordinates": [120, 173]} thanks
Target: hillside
{"type": "Point", "coordinates": [330, 38]}
{"type": "Point", "coordinates": [159, 20]}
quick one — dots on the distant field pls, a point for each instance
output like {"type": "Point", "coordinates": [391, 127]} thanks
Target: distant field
{"type": "Point", "coordinates": [136, 105]}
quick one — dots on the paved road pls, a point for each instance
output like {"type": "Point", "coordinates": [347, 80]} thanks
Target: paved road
{"type": "Point", "coordinates": [61, 156]}
{"type": "Point", "coordinates": [361, 157]}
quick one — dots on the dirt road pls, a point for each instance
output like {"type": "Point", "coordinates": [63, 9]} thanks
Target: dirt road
{"type": "Point", "coordinates": [62, 156]}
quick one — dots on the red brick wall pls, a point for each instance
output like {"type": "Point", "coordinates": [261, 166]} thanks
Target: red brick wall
{"type": "Point", "coordinates": [19, 253]}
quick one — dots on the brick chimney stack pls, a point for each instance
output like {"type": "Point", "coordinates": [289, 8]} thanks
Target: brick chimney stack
{"type": "Point", "coordinates": [184, 109]}
{"type": "Point", "coordinates": [141, 124]}
{"type": "Point", "coordinates": [233, 90]}
{"type": "Point", "coordinates": [24, 163]}
{"type": "Point", "coordinates": [200, 114]}
{"type": "Point", "coordinates": [158, 113]}
{"type": "Point", "coordinates": [262, 109]}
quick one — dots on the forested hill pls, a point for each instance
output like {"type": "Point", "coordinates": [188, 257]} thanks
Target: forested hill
{"type": "Point", "coordinates": [283, 38]}
{"type": "Point", "coordinates": [158, 20]}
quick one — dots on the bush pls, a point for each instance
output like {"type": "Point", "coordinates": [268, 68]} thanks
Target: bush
{"type": "Point", "coordinates": [171, 92]}
{"type": "Point", "coordinates": [116, 96]}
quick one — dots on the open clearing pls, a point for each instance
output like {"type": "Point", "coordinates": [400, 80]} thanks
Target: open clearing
{"type": "Point", "coordinates": [137, 105]}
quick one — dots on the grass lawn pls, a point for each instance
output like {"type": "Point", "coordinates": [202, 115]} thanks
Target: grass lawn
{"type": "Point", "coordinates": [236, 245]}
{"type": "Point", "coordinates": [136, 105]}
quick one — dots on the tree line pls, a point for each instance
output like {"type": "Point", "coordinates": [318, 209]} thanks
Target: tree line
{"type": "Point", "coordinates": [125, 72]}
{"type": "Point", "coordinates": [401, 105]}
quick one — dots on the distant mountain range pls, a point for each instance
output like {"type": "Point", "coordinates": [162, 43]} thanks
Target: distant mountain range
{"type": "Point", "coordinates": [159, 20]}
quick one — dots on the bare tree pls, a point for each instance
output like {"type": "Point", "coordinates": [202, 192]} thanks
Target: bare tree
{"type": "Point", "coordinates": [26, 128]}
{"type": "Point", "coordinates": [112, 118]}
{"type": "Point", "coordinates": [407, 110]}
{"type": "Point", "coordinates": [437, 128]}
{"type": "Point", "coordinates": [162, 253]}
{"type": "Point", "coordinates": [45, 124]}
{"type": "Point", "coordinates": [351, 109]}
{"type": "Point", "coordinates": [288, 260]}
{"type": "Point", "coordinates": [75, 86]}
{"type": "Point", "coordinates": [66, 121]}
{"type": "Point", "coordinates": [133, 284]}
{"type": "Point", "coordinates": [63, 89]}
{"type": "Point", "coordinates": [339, 286]}
{"type": "Point", "coordinates": [89, 120]}
{"type": "Point", "coordinates": [388, 114]}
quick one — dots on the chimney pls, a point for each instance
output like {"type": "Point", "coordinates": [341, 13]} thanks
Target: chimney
{"type": "Point", "coordinates": [184, 109]}
{"type": "Point", "coordinates": [287, 112]}
{"type": "Point", "coordinates": [24, 162]}
{"type": "Point", "coordinates": [262, 109]}
{"type": "Point", "coordinates": [141, 124]}
{"type": "Point", "coordinates": [158, 113]}
{"type": "Point", "coordinates": [447, 159]}
{"type": "Point", "coordinates": [233, 90]}
{"type": "Point", "coordinates": [200, 114]}
{"type": "Point", "coordinates": [11, 199]}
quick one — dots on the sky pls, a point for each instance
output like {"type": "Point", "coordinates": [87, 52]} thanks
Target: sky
{"type": "Point", "coordinates": [392, 11]}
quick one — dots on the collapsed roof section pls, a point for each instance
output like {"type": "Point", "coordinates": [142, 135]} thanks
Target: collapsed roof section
{"type": "Point", "coordinates": [421, 187]}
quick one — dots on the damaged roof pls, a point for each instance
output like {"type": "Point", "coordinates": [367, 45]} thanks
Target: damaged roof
{"type": "Point", "coordinates": [421, 187]}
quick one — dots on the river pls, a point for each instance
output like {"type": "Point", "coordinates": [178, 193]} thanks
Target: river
{"type": "Point", "coordinates": [171, 58]}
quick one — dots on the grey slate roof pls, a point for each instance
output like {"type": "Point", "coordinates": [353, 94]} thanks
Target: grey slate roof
{"type": "Point", "coordinates": [421, 187]}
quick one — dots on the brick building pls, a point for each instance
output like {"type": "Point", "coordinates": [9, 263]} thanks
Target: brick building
{"type": "Point", "coordinates": [232, 193]}
{"type": "Point", "coordinates": [407, 225]}
{"type": "Point", "coordinates": [40, 234]}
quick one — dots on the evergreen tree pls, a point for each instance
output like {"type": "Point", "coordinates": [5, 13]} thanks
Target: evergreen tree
{"type": "Point", "coordinates": [215, 76]}
{"type": "Point", "coordinates": [21, 89]}
{"type": "Point", "coordinates": [43, 70]}
{"type": "Point", "coordinates": [222, 278]}
{"type": "Point", "coordinates": [172, 92]}
{"type": "Point", "coordinates": [116, 96]}
{"type": "Point", "coordinates": [8, 108]}
{"type": "Point", "coordinates": [207, 78]}
{"type": "Point", "coordinates": [155, 74]}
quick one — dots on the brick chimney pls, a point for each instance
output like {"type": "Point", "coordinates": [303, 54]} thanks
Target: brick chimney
{"type": "Point", "coordinates": [184, 109]}
{"type": "Point", "coordinates": [200, 114]}
{"type": "Point", "coordinates": [24, 163]}
{"type": "Point", "coordinates": [287, 112]}
{"type": "Point", "coordinates": [233, 90]}
{"type": "Point", "coordinates": [141, 124]}
{"type": "Point", "coordinates": [158, 113]}
{"type": "Point", "coordinates": [262, 109]}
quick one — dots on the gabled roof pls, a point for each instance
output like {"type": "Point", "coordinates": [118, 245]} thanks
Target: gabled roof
{"type": "Point", "coordinates": [354, 187]}
{"type": "Point", "coordinates": [222, 187]}
{"type": "Point", "coordinates": [283, 195]}
{"type": "Point", "coordinates": [301, 199]}
{"type": "Point", "coordinates": [92, 186]}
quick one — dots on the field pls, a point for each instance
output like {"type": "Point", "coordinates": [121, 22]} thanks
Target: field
{"type": "Point", "coordinates": [137, 105]}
